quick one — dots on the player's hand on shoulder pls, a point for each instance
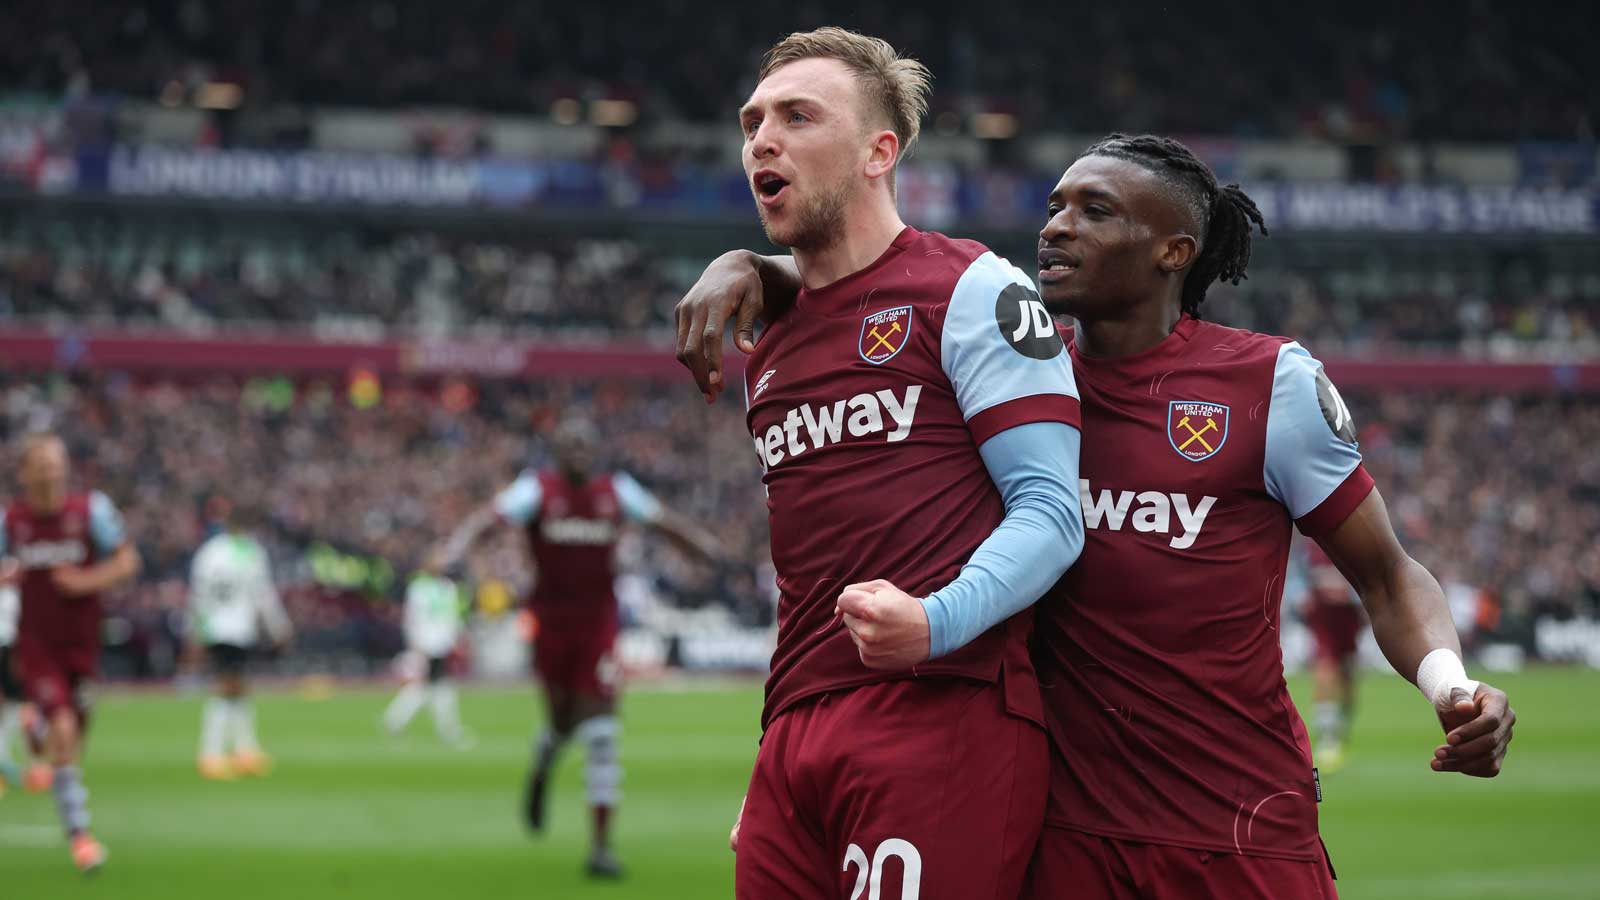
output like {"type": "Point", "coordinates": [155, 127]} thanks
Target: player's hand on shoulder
{"type": "Point", "coordinates": [729, 288]}
{"type": "Point", "coordinates": [889, 626]}
{"type": "Point", "coordinates": [1477, 734]}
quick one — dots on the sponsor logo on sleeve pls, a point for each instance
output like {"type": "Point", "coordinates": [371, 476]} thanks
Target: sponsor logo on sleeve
{"type": "Point", "coordinates": [1026, 324]}
{"type": "Point", "coordinates": [884, 334]}
{"type": "Point", "coordinates": [1197, 429]}
{"type": "Point", "coordinates": [1334, 412]}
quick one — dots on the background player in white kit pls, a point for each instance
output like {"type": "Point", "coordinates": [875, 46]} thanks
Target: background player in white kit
{"type": "Point", "coordinates": [231, 595]}
{"type": "Point", "coordinates": [10, 690]}
{"type": "Point", "coordinates": [432, 625]}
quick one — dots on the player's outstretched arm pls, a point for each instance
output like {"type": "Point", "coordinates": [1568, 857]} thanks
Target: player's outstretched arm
{"type": "Point", "coordinates": [468, 533]}
{"type": "Point", "coordinates": [270, 605]}
{"type": "Point", "coordinates": [121, 567]}
{"type": "Point", "coordinates": [741, 285]}
{"type": "Point", "coordinates": [1412, 623]}
{"type": "Point", "coordinates": [119, 561]}
{"type": "Point", "coordinates": [686, 536]}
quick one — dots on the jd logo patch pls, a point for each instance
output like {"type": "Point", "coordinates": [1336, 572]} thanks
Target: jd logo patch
{"type": "Point", "coordinates": [884, 334]}
{"type": "Point", "coordinates": [1197, 429]}
{"type": "Point", "coordinates": [1026, 324]}
{"type": "Point", "coordinates": [1334, 412]}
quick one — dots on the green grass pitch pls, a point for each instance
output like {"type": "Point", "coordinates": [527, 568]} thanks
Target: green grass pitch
{"type": "Point", "coordinates": [350, 814]}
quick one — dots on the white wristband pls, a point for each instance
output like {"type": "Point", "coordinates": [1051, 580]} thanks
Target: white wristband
{"type": "Point", "coordinates": [1443, 679]}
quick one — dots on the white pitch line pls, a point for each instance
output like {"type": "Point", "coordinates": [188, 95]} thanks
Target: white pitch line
{"type": "Point", "coordinates": [29, 836]}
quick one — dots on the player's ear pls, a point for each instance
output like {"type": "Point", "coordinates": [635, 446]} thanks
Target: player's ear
{"type": "Point", "coordinates": [884, 153]}
{"type": "Point", "coordinates": [1176, 253]}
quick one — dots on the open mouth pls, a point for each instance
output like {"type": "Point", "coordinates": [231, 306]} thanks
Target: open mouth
{"type": "Point", "coordinates": [1056, 264]}
{"type": "Point", "coordinates": [769, 186]}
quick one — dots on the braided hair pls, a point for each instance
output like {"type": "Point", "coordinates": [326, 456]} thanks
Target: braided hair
{"type": "Point", "coordinates": [1224, 213]}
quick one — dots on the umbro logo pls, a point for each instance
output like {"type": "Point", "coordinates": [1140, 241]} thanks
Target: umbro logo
{"type": "Point", "coordinates": [763, 383]}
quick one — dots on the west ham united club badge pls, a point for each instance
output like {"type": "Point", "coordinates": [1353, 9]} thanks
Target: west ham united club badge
{"type": "Point", "coordinates": [1197, 429]}
{"type": "Point", "coordinates": [884, 334]}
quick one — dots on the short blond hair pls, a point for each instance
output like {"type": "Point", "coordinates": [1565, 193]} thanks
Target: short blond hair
{"type": "Point", "coordinates": [894, 86]}
{"type": "Point", "coordinates": [34, 440]}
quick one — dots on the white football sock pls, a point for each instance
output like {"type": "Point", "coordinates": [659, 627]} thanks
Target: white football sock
{"type": "Point", "coordinates": [213, 727]}
{"type": "Point", "coordinates": [10, 713]}
{"type": "Point", "coordinates": [244, 726]}
{"type": "Point", "coordinates": [446, 717]}
{"type": "Point", "coordinates": [403, 707]}
{"type": "Point", "coordinates": [602, 773]}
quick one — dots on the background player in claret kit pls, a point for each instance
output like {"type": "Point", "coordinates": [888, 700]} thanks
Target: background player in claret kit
{"type": "Point", "coordinates": [573, 515]}
{"type": "Point", "coordinates": [1332, 612]}
{"type": "Point", "coordinates": [70, 548]}
{"type": "Point", "coordinates": [432, 626]}
{"type": "Point", "coordinates": [917, 420]}
{"type": "Point", "coordinates": [1180, 767]}
{"type": "Point", "coordinates": [231, 596]}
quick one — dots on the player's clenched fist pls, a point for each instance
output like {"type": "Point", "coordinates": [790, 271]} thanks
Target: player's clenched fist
{"type": "Point", "coordinates": [889, 626]}
{"type": "Point", "coordinates": [1478, 733]}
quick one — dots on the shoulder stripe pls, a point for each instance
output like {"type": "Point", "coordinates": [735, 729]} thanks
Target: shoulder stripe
{"type": "Point", "coordinates": [1023, 410]}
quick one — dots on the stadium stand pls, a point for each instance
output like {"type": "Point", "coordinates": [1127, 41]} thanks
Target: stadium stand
{"type": "Point", "coordinates": [1368, 72]}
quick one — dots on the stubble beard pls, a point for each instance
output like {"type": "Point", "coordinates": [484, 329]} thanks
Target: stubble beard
{"type": "Point", "coordinates": [819, 221]}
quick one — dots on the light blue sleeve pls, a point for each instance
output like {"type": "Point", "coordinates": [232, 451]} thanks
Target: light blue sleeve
{"type": "Point", "coordinates": [1311, 439]}
{"type": "Point", "coordinates": [105, 523]}
{"type": "Point", "coordinates": [1036, 468]}
{"type": "Point", "coordinates": [520, 500]}
{"type": "Point", "coordinates": [4, 548]}
{"type": "Point", "coordinates": [1000, 345]}
{"type": "Point", "coordinates": [638, 504]}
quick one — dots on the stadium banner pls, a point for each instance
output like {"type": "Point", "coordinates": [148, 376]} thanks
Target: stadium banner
{"type": "Point", "coordinates": [1427, 210]}
{"type": "Point", "coordinates": [300, 177]}
{"type": "Point", "coordinates": [743, 649]}
{"type": "Point", "coordinates": [1575, 640]}
{"type": "Point", "coordinates": [933, 195]}
{"type": "Point", "coordinates": [175, 355]}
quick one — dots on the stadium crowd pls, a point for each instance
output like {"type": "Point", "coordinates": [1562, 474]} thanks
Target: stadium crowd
{"type": "Point", "coordinates": [1364, 73]}
{"type": "Point", "coordinates": [198, 276]}
{"type": "Point", "coordinates": [376, 483]}
{"type": "Point", "coordinates": [1499, 496]}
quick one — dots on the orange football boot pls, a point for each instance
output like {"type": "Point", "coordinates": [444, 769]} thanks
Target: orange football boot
{"type": "Point", "coordinates": [88, 854]}
{"type": "Point", "coordinates": [39, 778]}
{"type": "Point", "coordinates": [216, 768]}
{"type": "Point", "coordinates": [252, 762]}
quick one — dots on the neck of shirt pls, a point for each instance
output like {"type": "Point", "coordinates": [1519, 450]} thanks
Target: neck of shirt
{"type": "Point", "coordinates": [1134, 363]}
{"type": "Point", "coordinates": [841, 297]}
